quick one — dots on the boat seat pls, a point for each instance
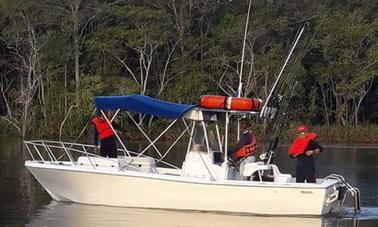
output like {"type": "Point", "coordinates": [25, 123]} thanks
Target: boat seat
{"type": "Point", "coordinates": [279, 177]}
{"type": "Point", "coordinates": [259, 168]}
{"type": "Point", "coordinates": [255, 167]}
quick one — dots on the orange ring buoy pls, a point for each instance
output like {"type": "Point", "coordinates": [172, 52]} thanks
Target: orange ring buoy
{"type": "Point", "coordinates": [230, 103]}
{"type": "Point", "coordinates": [257, 104]}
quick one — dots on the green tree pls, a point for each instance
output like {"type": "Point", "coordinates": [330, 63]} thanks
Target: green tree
{"type": "Point", "coordinates": [348, 45]}
{"type": "Point", "coordinates": [22, 84]}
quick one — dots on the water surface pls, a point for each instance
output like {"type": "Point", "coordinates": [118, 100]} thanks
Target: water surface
{"type": "Point", "coordinates": [24, 202]}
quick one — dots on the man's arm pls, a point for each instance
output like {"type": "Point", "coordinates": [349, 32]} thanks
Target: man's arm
{"type": "Point", "coordinates": [95, 137]}
{"type": "Point", "coordinates": [95, 140]}
{"type": "Point", "coordinates": [118, 127]}
{"type": "Point", "coordinates": [234, 148]}
{"type": "Point", "coordinates": [313, 148]}
{"type": "Point", "coordinates": [244, 140]}
{"type": "Point", "coordinates": [319, 148]}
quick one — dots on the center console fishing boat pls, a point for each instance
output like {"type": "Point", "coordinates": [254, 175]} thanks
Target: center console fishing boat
{"type": "Point", "coordinates": [205, 181]}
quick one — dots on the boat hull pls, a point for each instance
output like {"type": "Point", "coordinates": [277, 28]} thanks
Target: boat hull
{"type": "Point", "coordinates": [148, 190]}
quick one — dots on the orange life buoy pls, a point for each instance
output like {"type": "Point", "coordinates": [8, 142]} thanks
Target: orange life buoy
{"type": "Point", "coordinates": [230, 103]}
{"type": "Point", "coordinates": [257, 104]}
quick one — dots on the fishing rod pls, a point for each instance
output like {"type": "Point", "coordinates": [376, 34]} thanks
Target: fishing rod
{"type": "Point", "coordinates": [279, 102]}
{"type": "Point", "coordinates": [276, 126]}
{"type": "Point", "coordinates": [264, 108]}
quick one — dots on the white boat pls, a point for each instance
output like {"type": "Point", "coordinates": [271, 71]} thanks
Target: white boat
{"type": "Point", "coordinates": [70, 172]}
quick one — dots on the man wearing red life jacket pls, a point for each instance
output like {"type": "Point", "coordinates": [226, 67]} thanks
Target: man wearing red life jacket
{"type": "Point", "coordinates": [102, 130]}
{"type": "Point", "coordinates": [246, 145]}
{"type": "Point", "coordinates": [303, 149]}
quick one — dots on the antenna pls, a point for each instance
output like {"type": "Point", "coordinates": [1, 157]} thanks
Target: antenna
{"type": "Point", "coordinates": [239, 91]}
{"type": "Point", "coordinates": [243, 50]}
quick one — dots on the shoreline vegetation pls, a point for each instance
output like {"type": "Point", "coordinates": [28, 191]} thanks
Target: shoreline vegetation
{"type": "Point", "coordinates": [56, 56]}
{"type": "Point", "coordinates": [362, 134]}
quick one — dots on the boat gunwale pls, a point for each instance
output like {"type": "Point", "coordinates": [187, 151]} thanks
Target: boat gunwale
{"type": "Point", "coordinates": [182, 179]}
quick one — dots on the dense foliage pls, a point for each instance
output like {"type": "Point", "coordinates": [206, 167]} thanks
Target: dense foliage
{"type": "Point", "coordinates": [56, 55]}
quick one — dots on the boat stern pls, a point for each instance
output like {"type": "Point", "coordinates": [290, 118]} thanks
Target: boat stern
{"type": "Point", "coordinates": [332, 203]}
{"type": "Point", "coordinates": [336, 194]}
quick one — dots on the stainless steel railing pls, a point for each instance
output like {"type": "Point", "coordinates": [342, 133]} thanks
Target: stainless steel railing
{"type": "Point", "coordinates": [57, 152]}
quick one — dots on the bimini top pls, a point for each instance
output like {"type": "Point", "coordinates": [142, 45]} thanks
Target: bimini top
{"type": "Point", "coordinates": [142, 104]}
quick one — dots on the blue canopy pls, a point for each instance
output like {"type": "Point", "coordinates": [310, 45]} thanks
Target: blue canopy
{"type": "Point", "coordinates": [142, 104]}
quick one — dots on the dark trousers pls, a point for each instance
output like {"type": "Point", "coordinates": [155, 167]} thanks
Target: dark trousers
{"type": "Point", "coordinates": [108, 147]}
{"type": "Point", "coordinates": [305, 173]}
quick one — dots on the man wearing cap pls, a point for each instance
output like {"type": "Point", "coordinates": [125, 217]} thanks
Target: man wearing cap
{"type": "Point", "coordinates": [303, 149]}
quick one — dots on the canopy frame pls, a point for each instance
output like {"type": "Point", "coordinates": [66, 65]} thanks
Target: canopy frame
{"type": "Point", "coordinates": [151, 142]}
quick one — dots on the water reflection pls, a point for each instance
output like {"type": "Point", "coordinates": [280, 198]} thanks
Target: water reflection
{"type": "Point", "coordinates": [73, 214]}
{"type": "Point", "coordinates": [20, 193]}
{"type": "Point", "coordinates": [68, 214]}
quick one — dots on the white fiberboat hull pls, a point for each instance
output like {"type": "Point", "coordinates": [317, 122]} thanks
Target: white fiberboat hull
{"type": "Point", "coordinates": [151, 190]}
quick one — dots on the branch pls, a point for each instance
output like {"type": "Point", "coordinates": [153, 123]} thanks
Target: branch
{"type": "Point", "coordinates": [363, 94]}
{"type": "Point", "coordinates": [163, 81]}
{"type": "Point", "coordinates": [127, 68]}
{"type": "Point", "coordinates": [163, 85]}
{"type": "Point", "coordinates": [64, 120]}
{"type": "Point", "coordinates": [57, 5]}
{"type": "Point", "coordinates": [89, 20]}
{"type": "Point", "coordinates": [3, 91]}
{"type": "Point", "coordinates": [12, 123]}
{"type": "Point", "coordinates": [115, 2]}
{"type": "Point", "coordinates": [219, 83]}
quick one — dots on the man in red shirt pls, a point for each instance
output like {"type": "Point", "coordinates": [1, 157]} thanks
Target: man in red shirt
{"type": "Point", "coordinates": [102, 130]}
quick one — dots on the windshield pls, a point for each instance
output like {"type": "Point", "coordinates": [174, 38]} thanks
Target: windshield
{"type": "Point", "coordinates": [199, 141]}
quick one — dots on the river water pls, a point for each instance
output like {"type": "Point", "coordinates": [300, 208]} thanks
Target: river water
{"type": "Point", "coordinates": [24, 203]}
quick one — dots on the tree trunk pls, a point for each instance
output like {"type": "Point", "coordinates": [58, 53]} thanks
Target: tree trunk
{"type": "Point", "coordinates": [76, 36]}
{"type": "Point", "coordinates": [325, 105]}
{"type": "Point", "coordinates": [65, 89]}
